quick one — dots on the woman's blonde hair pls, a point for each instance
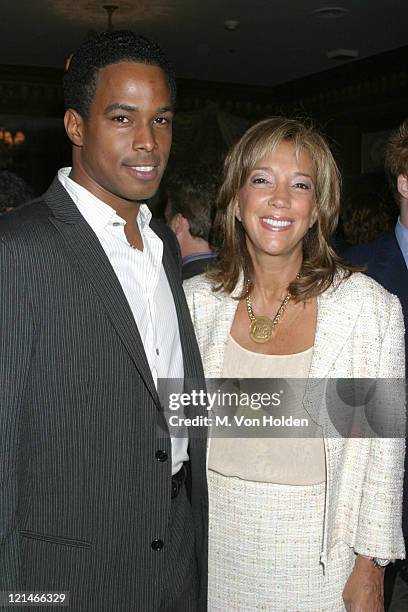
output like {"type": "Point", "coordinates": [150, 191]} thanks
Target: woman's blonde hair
{"type": "Point", "coordinates": [320, 261]}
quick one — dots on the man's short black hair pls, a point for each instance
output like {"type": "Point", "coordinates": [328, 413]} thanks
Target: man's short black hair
{"type": "Point", "coordinates": [105, 49]}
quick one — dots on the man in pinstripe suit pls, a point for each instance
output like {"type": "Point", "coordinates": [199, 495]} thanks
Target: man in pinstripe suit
{"type": "Point", "coordinates": [92, 487]}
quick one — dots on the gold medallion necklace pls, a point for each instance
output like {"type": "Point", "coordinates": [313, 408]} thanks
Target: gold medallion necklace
{"type": "Point", "coordinates": [261, 329]}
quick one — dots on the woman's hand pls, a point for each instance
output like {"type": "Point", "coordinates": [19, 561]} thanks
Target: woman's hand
{"type": "Point", "coordinates": [364, 590]}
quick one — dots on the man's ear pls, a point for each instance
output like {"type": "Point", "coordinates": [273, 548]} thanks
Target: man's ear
{"type": "Point", "coordinates": [402, 185]}
{"type": "Point", "coordinates": [176, 223]}
{"type": "Point", "coordinates": [74, 127]}
{"type": "Point", "coordinates": [184, 227]}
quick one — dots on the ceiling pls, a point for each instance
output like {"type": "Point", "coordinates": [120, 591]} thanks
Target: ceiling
{"type": "Point", "coordinates": [276, 40]}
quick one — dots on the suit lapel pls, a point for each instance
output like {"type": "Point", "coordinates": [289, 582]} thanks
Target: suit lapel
{"type": "Point", "coordinates": [335, 322]}
{"type": "Point", "coordinates": [86, 251]}
{"type": "Point", "coordinates": [224, 317]}
{"type": "Point", "coordinates": [191, 354]}
{"type": "Point", "coordinates": [221, 318]}
{"type": "Point", "coordinates": [193, 368]}
{"type": "Point", "coordinates": [336, 318]}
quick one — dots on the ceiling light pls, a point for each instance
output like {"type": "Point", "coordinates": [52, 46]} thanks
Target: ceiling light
{"type": "Point", "coordinates": [231, 24]}
{"type": "Point", "coordinates": [127, 12]}
{"type": "Point", "coordinates": [110, 9]}
{"type": "Point", "coordinates": [330, 12]}
{"type": "Point", "coordinates": [342, 54]}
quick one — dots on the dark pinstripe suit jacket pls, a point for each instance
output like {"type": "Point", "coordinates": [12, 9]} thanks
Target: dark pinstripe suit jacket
{"type": "Point", "coordinates": [82, 495]}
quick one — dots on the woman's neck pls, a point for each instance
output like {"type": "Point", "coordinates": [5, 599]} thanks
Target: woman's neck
{"type": "Point", "coordinates": [273, 275]}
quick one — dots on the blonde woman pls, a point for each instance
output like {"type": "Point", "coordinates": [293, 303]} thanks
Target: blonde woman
{"type": "Point", "coordinates": [295, 524]}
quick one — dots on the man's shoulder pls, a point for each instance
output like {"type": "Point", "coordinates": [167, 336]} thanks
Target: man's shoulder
{"type": "Point", "coordinates": [24, 221]}
{"type": "Point", "coordinates": [371, 251]}
{"type": "Point", "coordinates": [28, 228]}
{"type": "Point", "coordinates": [197, 266]}
{"type": "Point", "coordinates": [385, 263]}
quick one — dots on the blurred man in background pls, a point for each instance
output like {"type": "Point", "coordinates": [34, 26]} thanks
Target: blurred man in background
{"type": "Point", "coordinates": [189, 213]}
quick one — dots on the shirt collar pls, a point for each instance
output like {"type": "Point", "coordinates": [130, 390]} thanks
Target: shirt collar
{"type": "Point", "coordinates": [144, 216]}
{"type": "Point", "coordinates": [98, 214]}
{"type": "Point", "coordinates": [197, 256]}
{"type": "Point", "coordinates": [401, 233]}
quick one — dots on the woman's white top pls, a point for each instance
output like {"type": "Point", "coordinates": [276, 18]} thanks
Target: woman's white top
{"type": "Point", "coordinates": [276, 457]}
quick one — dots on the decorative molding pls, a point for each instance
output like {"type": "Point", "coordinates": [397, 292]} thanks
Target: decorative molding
{"type": "Point", "coordinates": [347, 91]}
{"type": "Point", "coordinates": [28, 90]}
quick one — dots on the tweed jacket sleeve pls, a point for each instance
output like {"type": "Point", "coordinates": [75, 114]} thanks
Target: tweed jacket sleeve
{"type": "Point", "coordinates": [381, 502]}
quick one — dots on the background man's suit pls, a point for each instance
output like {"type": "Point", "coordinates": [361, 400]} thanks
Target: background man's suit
{"type": "Point", "coordinates": [195, 266]}
{"type": "Point", "coordinates": [83, 490]}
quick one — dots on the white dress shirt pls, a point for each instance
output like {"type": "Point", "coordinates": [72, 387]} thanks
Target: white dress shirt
{"type": "Point", "coordinates": [145, 285]}
{"type": "Point", "coordinates": [401, 233]}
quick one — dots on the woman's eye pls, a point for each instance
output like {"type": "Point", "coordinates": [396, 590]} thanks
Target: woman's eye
{"type": "Point", "coordinates": [302, 186]}
{"type": "Point", "coordinates": [259, 180]}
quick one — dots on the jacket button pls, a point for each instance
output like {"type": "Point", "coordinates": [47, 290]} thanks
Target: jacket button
{"type": "Point", "coordinates": [161, 455]}
{"type": "Point", "coordinates": [157, 544]}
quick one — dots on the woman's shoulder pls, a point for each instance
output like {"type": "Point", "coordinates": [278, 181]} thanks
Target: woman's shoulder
{"type": "Point", "coordinates": [199, 284]}
{"type": "Point", "coordinates": [359, 286]}
{"type": "Point", "coordinates": [374, 306]}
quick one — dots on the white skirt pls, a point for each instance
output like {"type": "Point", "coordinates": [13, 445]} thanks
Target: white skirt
{"type": "Point", "coordinates": [264, 549]}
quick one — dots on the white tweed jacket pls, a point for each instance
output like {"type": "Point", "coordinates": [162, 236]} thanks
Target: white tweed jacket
{"type": "Point", "coordinates": [359, 334]}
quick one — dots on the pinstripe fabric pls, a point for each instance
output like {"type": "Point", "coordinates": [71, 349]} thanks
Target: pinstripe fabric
{"type": "Point", "coordinates": [81, 493]}
{"type": "Point", "coordinates": [145, 285]}
{"type": "Point", "coordinates": [182, 545]}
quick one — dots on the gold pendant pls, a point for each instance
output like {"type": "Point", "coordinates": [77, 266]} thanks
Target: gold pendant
{"type": "Point", "coordinates": [261, 329]}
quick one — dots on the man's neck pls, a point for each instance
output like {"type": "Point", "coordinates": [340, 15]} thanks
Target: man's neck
{"type": "Point", "coordinates": [126, 209]}
{"type": "Point", "coordinates": [404, 214]}
{"type": "Point", "coordinates": [194, 246]}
